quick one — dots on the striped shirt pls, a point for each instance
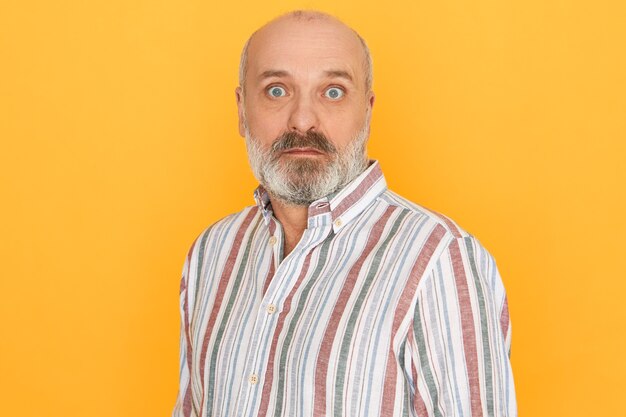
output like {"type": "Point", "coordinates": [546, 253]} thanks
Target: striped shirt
{"type": "Point", "coordinates": [384, 308]}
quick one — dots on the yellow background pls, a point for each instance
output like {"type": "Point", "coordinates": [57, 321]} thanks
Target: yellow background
{"type": "Point", "coordinates": [119, 145]}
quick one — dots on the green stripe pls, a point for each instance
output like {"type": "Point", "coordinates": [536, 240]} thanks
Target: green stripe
{"type": "Point", "coordinates": [200, 262]}
{"type": "Point", "coordinates": [347, 339]}
{"type": "Point", "coordinates": [295, 321]}
{"type": "Point", "coordinates": [234, 292]}
{"type": "Point", "coordinates": [483, 325]}
{"type": "Point", "coordinates": [423, 357]}
{"type": "Point", "coordinates": [406, 404]}
{"type": "Point", "coordinates": [198, 277]}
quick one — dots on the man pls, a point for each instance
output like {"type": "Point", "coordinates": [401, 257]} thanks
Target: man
{"type": "Point", "coordinates": [333, 296]}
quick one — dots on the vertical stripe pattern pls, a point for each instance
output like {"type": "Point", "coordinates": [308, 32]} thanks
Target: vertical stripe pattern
{"type": "Point", "coordinates": [384, 308]}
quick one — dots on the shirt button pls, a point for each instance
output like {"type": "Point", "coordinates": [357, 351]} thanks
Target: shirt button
{"type": "Point", "coordinates": [273, 240]}
{"type": "Point", "coordinates": [338, 222]}
{"type": "Point", "coordinates": [271, 308]}
{"type": "Point", "coordinates": [253, 379]}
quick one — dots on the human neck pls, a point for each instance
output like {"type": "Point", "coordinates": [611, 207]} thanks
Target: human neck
{"type": "Point", "coordinates": [293, 219]}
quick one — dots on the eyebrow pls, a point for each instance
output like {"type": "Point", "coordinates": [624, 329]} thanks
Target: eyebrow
{"type": "Point", "coordinates": [273, 73]}
{"type": "Point", "coordinates": [339, 74]}
{"type": "Point", "coordinates": [330, 74]}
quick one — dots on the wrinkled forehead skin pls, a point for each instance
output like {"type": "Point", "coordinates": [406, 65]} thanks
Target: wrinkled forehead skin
{"type": "Point", "coordinates": [306, 48]}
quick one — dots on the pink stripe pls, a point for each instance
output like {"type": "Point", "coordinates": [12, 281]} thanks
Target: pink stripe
{"type": "Point", "coordinates": [504, 318]}
{"type": "Point", "coordinates": [331, 329]}
{"type": "Point", "coordinates": [269, 277]}
{"type": "Point", "coordinates": [187, 400]}
{"type": "Point", "coordinates": [272, 226]}
{"type": "Point", "coordinates": [417, 271]}
{"type": "Point", "coordinates": [269, 372]}
{"type": "Point", "coordinates": [221, 289]}
{"type": "Point", "coordinates": [455, 230]}
{"type": "Point", "coordinates": [187, 403]}
{"type": "Point", "coordinates": [420, 405]}
{"type": "Point", "coordinates": [469, 333]}
{"type": "Point", "coordinates": [318, 209]}
{"type": "Point", "coordinates": [356, 195]}
{"type": "Point", "coordinates": [418, 402]}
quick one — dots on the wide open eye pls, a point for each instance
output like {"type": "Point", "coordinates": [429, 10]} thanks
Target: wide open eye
{"type": "Point", "coordinates": [334, 93]}
{"type": "Point", "coordinates": [276, 91]}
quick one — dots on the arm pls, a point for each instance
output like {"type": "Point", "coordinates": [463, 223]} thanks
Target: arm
{"type": "Point", "coordinates": [184, 405]}
{"type": "Point", "coordinates": [460, 339]}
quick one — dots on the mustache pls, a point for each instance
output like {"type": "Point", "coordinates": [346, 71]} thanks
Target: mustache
{"type": "Point", "coordinates": [291, 140]}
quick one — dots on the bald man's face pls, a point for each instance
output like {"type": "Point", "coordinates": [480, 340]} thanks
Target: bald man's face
{"type": "Point", "coordinates": [305, 78]}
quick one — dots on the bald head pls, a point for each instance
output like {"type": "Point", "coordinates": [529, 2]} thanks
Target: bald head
{"type": "Point", "coordinates": [305, 17]}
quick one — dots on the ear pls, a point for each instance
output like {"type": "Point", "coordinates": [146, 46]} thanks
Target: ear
{"type": "Point", "coordinates": [371, 97]}
{"type": "Point", "coordinates": [240, 112]}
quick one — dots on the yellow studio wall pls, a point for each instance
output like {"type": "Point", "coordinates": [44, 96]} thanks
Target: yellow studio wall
{"type": "Point", "coordinates": [119, 145]}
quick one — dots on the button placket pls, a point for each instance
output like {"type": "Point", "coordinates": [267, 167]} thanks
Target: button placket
{"type": "Point", "coordinates": [266, 319]}
{"type": "Point", "coordinates": [253, 379]}
{"type": "Point", "coordinates": [256, 360]}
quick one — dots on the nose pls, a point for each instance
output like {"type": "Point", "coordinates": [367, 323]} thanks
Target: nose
{"type": "Point", "coordinates": [304, 115]}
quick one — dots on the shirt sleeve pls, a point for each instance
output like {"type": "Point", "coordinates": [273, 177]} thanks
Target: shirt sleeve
{"type": "Point", "coordinates": [460, 338]}
{"type": "Point", "coordinates": [184, 405]}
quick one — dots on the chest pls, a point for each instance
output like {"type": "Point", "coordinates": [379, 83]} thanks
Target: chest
{"type": "Point", "coordinates": [317, 328]}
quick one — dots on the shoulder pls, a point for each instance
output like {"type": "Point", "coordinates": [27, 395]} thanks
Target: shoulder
{"type": "Point", "coordinates": [438, 236]}
{"type": "Point", "coordinates": [460, 255]}
{"type": "Point", "coordinates": [454, 243]}
{"type": "Point", "coordinates": [425, 215]}
{"type": "Point", "coordinates": [223, 231]}
{"type": "Point", "coordinates": [211, 246]}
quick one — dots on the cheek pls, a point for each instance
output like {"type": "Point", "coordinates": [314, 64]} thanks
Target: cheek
{"type": "Point", "coordinates": [264, 126]}
{"type": "Point", "coordinates": [343, 129]}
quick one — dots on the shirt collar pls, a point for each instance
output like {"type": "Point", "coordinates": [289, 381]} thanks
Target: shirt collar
{"type": "Point", "coordinates": [343, 205]}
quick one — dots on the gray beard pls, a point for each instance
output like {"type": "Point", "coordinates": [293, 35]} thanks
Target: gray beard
{"type": "Point", "coordinates": [301, 181]}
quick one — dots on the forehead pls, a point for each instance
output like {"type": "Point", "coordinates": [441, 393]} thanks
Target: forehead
{"type": "Point", "coordinates": [308, 48]}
